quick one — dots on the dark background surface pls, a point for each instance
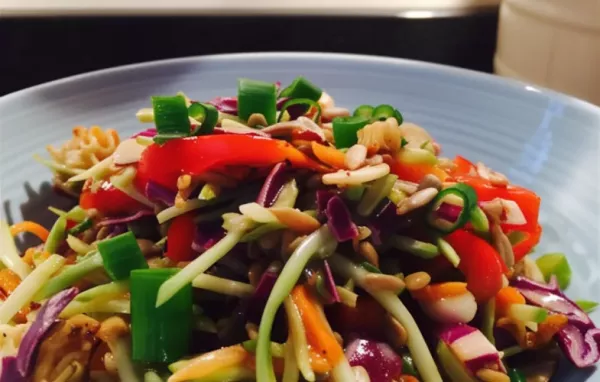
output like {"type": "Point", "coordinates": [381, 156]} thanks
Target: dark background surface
{"type": "Point", "coordinates": [37, 50]}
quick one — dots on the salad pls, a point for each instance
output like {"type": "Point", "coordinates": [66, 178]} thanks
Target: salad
{"type": "Point", "coordinates": [275, 236]}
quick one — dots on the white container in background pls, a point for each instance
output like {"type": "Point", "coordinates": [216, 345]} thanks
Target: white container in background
{"type": "Point", "coordinates": [551, 43]}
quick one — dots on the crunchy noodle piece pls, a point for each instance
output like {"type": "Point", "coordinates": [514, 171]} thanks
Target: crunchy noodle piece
{"type": "Point", "coordinates": [86, 148]}
{"type": "Point", "coordinates": [69, 342]}
{"type": "Point", "coordinates": [381, 136]}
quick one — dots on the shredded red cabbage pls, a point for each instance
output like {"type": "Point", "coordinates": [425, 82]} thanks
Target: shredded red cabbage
{"type": "Point", "coordinates": [157, 193]}
{"type": "Point", "coordinates": [339, 220]}
{"type": "Point", "coordinates": [275, 181]}
{"type": "Point", "coordinates": [579, 339]}
{"type": "Point", "coordinates": [323, 197]}
{"type": "Point", "coordinates": [451, 333]}
{"type": "Point", "coordinates": [379, 360]}
{"type": "Point", "coordinates": [330, 282]}
{"type": "Point", "coordinates": [46, 317]}
{"type": "Point", "coordinates": [385, 222]}
{"type": "Point", "coordinates": [229, 105]}
{"type": "Point", "coordinates": [449, 212]}
{"type": "Point", "coordinates": [150, 133]}
{"type": "Point", "coordinates": [261, 295]}
{"type": "Point", "coordinates": [125, 219]}
{"type": "Point", "coordinates": [206, 236]}
{"type": "Point", "coordinates": [9, 372]}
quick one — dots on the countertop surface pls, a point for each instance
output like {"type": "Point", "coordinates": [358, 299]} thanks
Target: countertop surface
{"type": "Point", "coordinates": [234, 7]}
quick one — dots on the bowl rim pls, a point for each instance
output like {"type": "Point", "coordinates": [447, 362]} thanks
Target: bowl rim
{"type": "Point", "coordinates": [487, 78]}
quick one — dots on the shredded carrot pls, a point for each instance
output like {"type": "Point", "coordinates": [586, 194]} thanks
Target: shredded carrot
{"type": "Point", "coordinates": [31, 227]}
{"type": "Point", "coordinates": [9, 281]}
{"type": "Point", "coordinates": [318, 331]}
{"type": "Point", "coordinates": [329, 155]}
{"type": "Point", "coordinates": [506, 297]}
{"type": "Point", "coordinates": [407, 378]}
{"type": "Point", "coordinates": [318, 363]}
{"type": "Point", "coordinates": [434, 292]}
{"type": "Point", "coordinates": [30, 252]}
{"type": "Point", "coordinates": [549, 327]}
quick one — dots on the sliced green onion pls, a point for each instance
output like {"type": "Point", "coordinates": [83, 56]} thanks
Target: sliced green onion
{"type": "Point", "coordinates": [468, 199]}
{"type": "Point", "coordinates": [410, 155]}
{"type": "Point", "coordinates": [408, 365]}
{"type": "Point", "coordinates": [415, 247]}
{"type": "Point", "coordinates": [516, 375]}
{"type": "Point", "coordinates": [159, 334]}
{"type": "Point", "coordinates": [316, 243]}
{"type": "Point", "coordinates": [57, 235]}
{"type": "Point", "coordinates": [345, 129]}
{"type": "Point", "coordinates": [302, 88]}
{"type": "Point", "coordinates": [354, 193]}
{"type": "Point", "coordinates": [197, 267]}
{"type": "Point", "coordinates": [9, 255]}
{"type": "Point", "coordinates": [527, 313]}
{"type": "Point", "coordinates": [448, 252]}
{"type": "Point", "coordinates": [28, 287]}
{"type": "Point", "coordinates": [206, 114]}
{"type": "Point", "coordinates": [76, 214]}
{"type": "Point", "coordinates": [555, 264]}
{"type": "Point", "coordinates": [121, 255]}
{"type": "Point", "coordinates": [479, 220]}
{"type": "Point", "coordinates": [451, 365]}
{"type": "Point", "coordinates": [69, 275]}
{"type": "Point", "coordinates": [80, 227]}
{"type": "Point", "coordinates": [375, 193]}
{"type": "Point", "coordinates": [586, 305]}
{"type": "Point", "coordinates": [301, 101]}
{"type": "Point", "coordinates": [170, 117]}
{"type": "Point", "coordinates": [223, 286]}
{"type": "Point", "coordinates": [403, 142]}
{"type": "Point", "coordinates": [257, 97]}
{"type": "Point", "coordinates": [364, 111]}
{"type": "Point", "coordinates": [382, 112]}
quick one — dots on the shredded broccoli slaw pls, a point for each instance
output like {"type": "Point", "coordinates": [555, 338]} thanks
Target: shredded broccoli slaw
{"type": "Point", "coordinates": [274, 236]}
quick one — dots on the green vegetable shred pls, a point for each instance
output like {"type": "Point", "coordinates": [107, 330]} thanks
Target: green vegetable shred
{"type": "Point", "coordinates": [345, 129]}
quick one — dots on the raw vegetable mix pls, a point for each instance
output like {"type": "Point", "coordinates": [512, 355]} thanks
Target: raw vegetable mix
{"type": "Point", "coordinates": [274, 236]}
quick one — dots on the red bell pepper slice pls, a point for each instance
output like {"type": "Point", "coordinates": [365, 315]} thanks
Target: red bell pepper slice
{"type": "Point", "coordinates": [180, 237]}
{"type": "Point", "coordinates": [527, 244]}
{"type": "Point", "coordinates": [108, 200]}
{"type": "Point", "coordinates": [479, 262]}
{"type": "Point", "coordinates": [528, 201]}
{"type": "Point", "coordinates": [163, 164]}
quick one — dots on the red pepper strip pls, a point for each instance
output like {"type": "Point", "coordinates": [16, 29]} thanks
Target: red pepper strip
{"type": "Point", "coordinates": [108, 200]}
{"type": "Point", "coordinates": [180, 237]}
{"type": "Point", "coordinates": [525, 246]}
{"type": "Point", "coordinates": [197, 155]}
{"type": "Point", "coordinates": [415, 172]}
{"type": "Point", "coordinates": [479, 262]}
{"type": "Point", "coordinates": [528, 201]}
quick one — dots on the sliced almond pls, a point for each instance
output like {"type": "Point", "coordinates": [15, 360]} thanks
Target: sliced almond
{"type": "Point", "coordinates": [295, 220]}
{"type": "Point", "coordinates": [128, 151]}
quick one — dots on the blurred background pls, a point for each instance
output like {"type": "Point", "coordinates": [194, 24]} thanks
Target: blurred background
{"type": "Point", "coordinates": [552, 43]}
